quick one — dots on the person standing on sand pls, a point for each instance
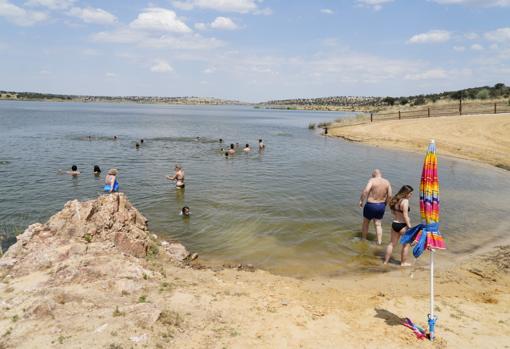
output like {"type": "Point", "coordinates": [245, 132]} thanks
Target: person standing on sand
{"type": "Point", "coordinates": [375, 196]}
{"type": "Point", "coordinates": [178, 177]}
{"type": "Point", "coordinates": [399, 205]}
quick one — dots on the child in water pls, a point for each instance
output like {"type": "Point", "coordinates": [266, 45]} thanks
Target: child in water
{"type": "Point", "coordinates": [74, 171]}
{"type": "Point", "coordinates": [185, 212]}
{"type": "Point", "coordinates": [111, 183]}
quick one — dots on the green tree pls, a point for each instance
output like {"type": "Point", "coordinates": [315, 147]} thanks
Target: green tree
{"type": "Point", "coordinates": [483, 94]}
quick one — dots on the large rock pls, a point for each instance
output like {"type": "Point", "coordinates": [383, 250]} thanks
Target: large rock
{"type": "Point", "coordinates": [108, 222]}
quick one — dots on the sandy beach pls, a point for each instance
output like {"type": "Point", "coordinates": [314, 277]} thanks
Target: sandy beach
{"type": "Point", "coordinates": [481, 138]}
{"type": "Point", "coordinates": [83, 280]}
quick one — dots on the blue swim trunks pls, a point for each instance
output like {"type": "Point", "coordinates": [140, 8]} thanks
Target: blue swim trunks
{"type": "Point", "coordinates": [374, 210]}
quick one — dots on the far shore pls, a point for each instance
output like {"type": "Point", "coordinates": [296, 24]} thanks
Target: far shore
{"type": "Point", "coordinates": [482, 138]}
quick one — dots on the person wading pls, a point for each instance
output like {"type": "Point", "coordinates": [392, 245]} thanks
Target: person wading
{"type": "Point", "coordinates": [375, 197]}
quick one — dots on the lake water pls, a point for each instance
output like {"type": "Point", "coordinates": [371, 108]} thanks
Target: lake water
{"type": "Point", "coordinates": [291, 210]}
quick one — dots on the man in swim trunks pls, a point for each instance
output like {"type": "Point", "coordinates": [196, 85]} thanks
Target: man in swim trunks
{"type": "Point", "coordinates": [375, 196]}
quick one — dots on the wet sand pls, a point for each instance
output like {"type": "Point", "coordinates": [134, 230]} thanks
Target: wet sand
{"type": "Point", "coordinates": [482, 138]}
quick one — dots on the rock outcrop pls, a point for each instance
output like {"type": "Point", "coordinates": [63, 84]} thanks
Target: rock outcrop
{"type": "Point", "coordinates": [85, 258]}
{"type": "Point", "coordinates": [91, 227]}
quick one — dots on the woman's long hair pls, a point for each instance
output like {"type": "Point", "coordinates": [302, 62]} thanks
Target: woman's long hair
{"type": "Point", "coordinates": [402, 193]}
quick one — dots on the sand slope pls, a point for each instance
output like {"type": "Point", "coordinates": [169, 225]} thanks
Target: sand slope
{"type": "Point", "coordinates": [484, 138]}
{"type": "Point", "coordinates": [60, 290]}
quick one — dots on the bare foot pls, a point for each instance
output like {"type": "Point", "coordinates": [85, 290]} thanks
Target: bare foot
{"type": "Point", "coordinates": [405, 264]}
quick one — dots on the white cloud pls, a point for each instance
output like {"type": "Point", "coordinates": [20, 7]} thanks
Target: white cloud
{"type": "Point", "coordinates": [93, 15]}
{"type": "Point", "coordinates": [20, 16]}
{"type": "Point", "coordinates": [476, 47]}
{"type": "Point", "coordinates": [375, 5]}
{"type": "Point", "coordinates": [459, 48]}
{"type": "Point", "coordinates": [209, 70]}
{"type": "Point", "coordinates": [432, 74]}
{"type": "Point", "coordinates": [110, 75]}
{"type": "Point", "coordinates": [499, 35]}
{"type": "Point", "coordinates": [200, 26]}
{"type": "Point", "coordinates": [224, 23]}
{"type": "Point", "coordinates": [51, 4]}
{"type": "Point", "coordinates": [327, 11]}
{"type": "Point", "coordinates": [144, 39]}
{"type": "Point", "coordinates": [471, 36]}
{"type": "Point", "coordinates": [159, 19]}
{"type": "Point", "coordinates": [44, 72]}
{"type": "Point", "coordinates": [484, 3]}
{"type": "Point", "coordinates": [240, 6]}
{"type": "Point", "coordinates": [161, 66]}
{"type": "Point", "coordinates": [433, 36]}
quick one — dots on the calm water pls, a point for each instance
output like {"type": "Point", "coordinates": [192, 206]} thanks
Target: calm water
{"type": "Point", "coordinates": [290, 210]}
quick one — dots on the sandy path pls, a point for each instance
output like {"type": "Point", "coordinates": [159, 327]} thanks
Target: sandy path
{"type": "Point", "coordinates": [484, 138]}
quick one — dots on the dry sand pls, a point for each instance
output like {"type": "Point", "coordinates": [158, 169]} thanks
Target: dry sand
{"type": "Point", "coordinates": [484, 138]}
{"type": "Point", "coordinates": [62, 289]}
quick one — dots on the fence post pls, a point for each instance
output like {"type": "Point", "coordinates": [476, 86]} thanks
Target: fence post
{"type": "Point", "coordinates": [460, 107]}
{"type": "Point", "coordinates": [399, 117]}
{"type": "Point", "coordinates": [495, 108]}
{"type": "Point", "coordinates": [428, 112]}
{"type": "Point", "coordinates": [371, 117]}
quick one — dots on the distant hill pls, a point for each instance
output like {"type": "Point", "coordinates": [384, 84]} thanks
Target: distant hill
{"type": "Point", "coordinates": [35, 96]}
{"type": "Point", "coordinates": [498, 91]}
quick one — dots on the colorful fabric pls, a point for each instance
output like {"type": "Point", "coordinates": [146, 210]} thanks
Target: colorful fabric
{"type": "Point", "coordinates": [429, 203]}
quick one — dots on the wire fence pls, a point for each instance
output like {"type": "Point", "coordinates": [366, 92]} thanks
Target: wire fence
{"type": "Point", "coordinates": [445, 110]}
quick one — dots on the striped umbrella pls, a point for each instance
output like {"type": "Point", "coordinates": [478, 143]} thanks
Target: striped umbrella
{"type": "Point", "coordinates": [429, 237]}
{"type": "Point", "coordinates": [426, 235]}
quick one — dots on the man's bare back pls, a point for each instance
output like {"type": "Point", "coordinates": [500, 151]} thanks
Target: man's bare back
{"type": "Point", "coordinates": [378, 190]}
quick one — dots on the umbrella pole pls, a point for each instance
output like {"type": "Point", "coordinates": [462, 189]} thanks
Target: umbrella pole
{"type": "Point", "coordinates": [432, 317]}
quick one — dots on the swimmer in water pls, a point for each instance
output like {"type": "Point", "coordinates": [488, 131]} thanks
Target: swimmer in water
{"type": "Point", "coordinates": [237, 145]}
{"type": "Point", "coordinates": [231, 151]}
{"type": "Point", "coordinates": [185, 212]}
{"type": "Point", "coordinates": [226, 154]}
{"type": "Point", "coordinates": [137, 145]}
{"type": "Point", "coordinates": [114, 138]}
{"type": "Point", "coordinates": [262, 146]}
{"type": "Point", "coordinates": [110, 182]}
{"type": "Point", "coordinates": [178, 177]}
{"type": "Point", "coordinates": [221, 140]}
{"type": "Point", "coordinates": [74, 171]}
{"type": "Point", "coordinates": [247, 149]}
{"type": "Point", "coordinates": [141, 141]}
{"type": "Point", "coordinates": [97, 170]}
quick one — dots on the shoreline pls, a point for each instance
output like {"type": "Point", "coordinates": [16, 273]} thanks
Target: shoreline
{"type": "Point", "coordinates": [479, 138]}
{"type": "Point", "coordinates": [101, 290]}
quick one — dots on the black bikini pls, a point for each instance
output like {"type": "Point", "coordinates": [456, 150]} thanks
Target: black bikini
{"type": "Point", "coordinates": [397, 226]}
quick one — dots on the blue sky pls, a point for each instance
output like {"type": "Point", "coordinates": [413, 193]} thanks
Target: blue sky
{"type": "Point", "coordinates": [253, 50]}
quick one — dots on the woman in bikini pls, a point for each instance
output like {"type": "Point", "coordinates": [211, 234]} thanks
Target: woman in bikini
{"type": "Point", "coordinates": [178, 177]}
{"type": "Point", "coordinates": [399, 205]}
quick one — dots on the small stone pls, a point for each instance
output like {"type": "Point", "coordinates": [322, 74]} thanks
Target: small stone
{"type": "Point", "coordinates": [194, 256]}
{"type": "Point", "coordinates": [140, 338]}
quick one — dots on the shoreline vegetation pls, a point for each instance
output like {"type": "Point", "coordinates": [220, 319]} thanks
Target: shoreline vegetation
{"type": "Point", "coordinates": [49, 97]}
{"type": "Point", "coordinates": [483, 138]}
{"type": "Point", "coordinates": [499, 93]}
{"type": "Point", "coordinates": [95, 276]}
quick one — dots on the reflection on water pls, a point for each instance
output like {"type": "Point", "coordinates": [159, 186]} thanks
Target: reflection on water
{"type": "Point", "coordinates": [291, 209]}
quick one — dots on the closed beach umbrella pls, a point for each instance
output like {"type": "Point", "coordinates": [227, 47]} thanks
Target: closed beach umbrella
{"type": "Point", "coordinates": [427, 235]}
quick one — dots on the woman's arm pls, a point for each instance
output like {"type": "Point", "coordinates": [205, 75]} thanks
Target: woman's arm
{"type": "Point", "coordinates": [404, 206]}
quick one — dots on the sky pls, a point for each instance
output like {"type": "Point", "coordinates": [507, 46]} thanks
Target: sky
{"type": "Point", "coordinates": [253, 50]}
